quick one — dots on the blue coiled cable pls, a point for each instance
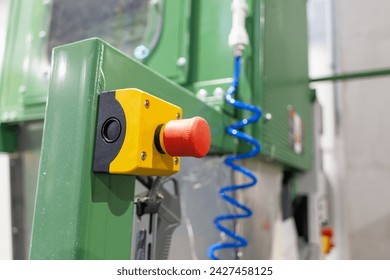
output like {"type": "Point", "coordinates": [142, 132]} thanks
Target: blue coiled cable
{"type": "Point", "coordinates": [234, 130]}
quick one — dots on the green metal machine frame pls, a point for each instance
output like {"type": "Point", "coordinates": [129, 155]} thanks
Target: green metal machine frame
{"type": "Point", "coordinates": [193, 52]}
{"type": "Point", "coordinates": [275, 75]}
{"type": "Point", "coordinates": [79, 214]}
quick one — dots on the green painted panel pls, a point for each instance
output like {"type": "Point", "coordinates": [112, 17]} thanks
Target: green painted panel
{"type": "Point", "coordinates": [274, 71]}
{"type": "Point", "coordinates": [212, 58]}
{"type": "Point", "coordinates": [24, 73]}
{"type": "Point", "coordinates": [211, 61]}
{"type": "Point", "coordinates": [171, 55]}
{"type": "Point", "coordinates": [280, 78]}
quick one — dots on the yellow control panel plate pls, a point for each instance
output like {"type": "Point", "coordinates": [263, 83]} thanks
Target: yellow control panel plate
{"type": "Point", "coordinates": [138, 115]}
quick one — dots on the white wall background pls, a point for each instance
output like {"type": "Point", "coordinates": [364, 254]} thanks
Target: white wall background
{"type": "Point", "coordinates": [356, 143]}
{"type": "Point", "coordinates": [5, 209]}
{"type": "Point", "coordinates": [322, 57]}
{"type": "Point", "coordinates": [363, 42]}
{"type": "Point", "coordinates": [5, 194]}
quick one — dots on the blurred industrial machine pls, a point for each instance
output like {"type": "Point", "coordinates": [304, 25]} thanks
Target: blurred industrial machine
{"type": "Point", "coordinates": [100, 101]}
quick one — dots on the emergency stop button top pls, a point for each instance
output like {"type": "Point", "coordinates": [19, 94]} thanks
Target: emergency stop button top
{"type": "Point", "coordinates": [187, 137]}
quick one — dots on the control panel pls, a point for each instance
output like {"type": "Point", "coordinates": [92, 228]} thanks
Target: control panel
{"type": "Point", "coordinates": [140, 134]}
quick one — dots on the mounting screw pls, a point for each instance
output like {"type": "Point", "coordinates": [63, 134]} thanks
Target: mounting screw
{"type": "Point", "coordinates": [178, 116]}
{"type": "Point", "coordinates": [42, 34]}
{"type": "Point", "coordinates": [218, 92]}
{"type": "Point", "coordinates": [176, 161]}
{"type": "Point", "coordinates": [22, 89]}
{"type": "Point", "coordinates": [143, 155]}
{"type": "Point", "coordinates": [201, 94]}
{"type": "Point", "coordinates": [147, 104]}
{"type": "Point", "coordinates": [181, 61]}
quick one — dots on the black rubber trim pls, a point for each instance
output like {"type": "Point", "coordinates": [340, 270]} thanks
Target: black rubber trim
{"type": "Point", "coordinates": [105, 151]}
{"type": "Point", "coordinates": [157, 139]}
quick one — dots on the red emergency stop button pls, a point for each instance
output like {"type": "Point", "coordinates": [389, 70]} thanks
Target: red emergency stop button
{"type": "Point", "coordinates": [187, 138]}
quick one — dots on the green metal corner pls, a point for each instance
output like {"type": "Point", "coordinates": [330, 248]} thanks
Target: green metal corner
{"type": "Point", "coordinates": [78, 214]}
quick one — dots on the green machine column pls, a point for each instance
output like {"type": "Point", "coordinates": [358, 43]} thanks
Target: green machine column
{"type": "Point", "coordinates": [80, 214]}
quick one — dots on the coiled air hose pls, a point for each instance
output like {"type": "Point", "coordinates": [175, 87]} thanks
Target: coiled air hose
{"type": "Point", "coordinates": [226, 192]}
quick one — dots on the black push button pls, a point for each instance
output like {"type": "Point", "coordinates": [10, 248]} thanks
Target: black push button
{"type": "Point", "coordinates": [111, 130]}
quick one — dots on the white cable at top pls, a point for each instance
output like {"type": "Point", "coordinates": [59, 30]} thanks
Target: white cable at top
{"type": "Point", "coordinates": [238, 36]}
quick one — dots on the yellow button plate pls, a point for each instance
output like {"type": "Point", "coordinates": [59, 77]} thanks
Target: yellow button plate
{"type": "Point", "coordinates": [138, 154]}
